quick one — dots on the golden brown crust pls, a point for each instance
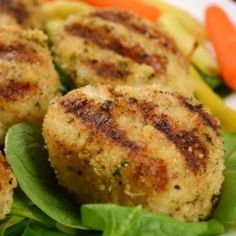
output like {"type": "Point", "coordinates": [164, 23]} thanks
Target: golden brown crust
{"type": "Point", "coordinates": [205, 116]}
{"type": "Point", "coordinates": [117, 47]}
{"type": "Point", "coordinates": [16, 9]}
{"type": "Point", "coordinates": [14, 90]}
{"type": "Point", "coordinates": [25, 13]}
{"type": "Point", "coordinates": [7, 184]}
{"type": "Point", "coordinates": [100, 121]}
{"type": "Point", "coordinates": [107, 69]}
{"type": "Point", "coordinates": [104, 39]}
{"type": "Point", "coordinates": [28, 79]}
{"type": "Point", "coordinates": [19, 52]}
{"type": "Point", "coordinates": [152, 172]}
{"type": "Point", "coordinates": [136, 24]}
{"type": "Point", "coordinates": [191, 147]}
{"type": "Point", "coordinates": [135, 146]}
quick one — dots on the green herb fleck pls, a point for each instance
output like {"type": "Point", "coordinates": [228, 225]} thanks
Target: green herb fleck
{"type": "Point", "coordinates": [116, 173]}
{"type": "Point", "coordinates": [208, 138]}
{"type": "Point", "coordinates": [151, 76]}
{"type": "Point", "coordinates": [73, 58]}
{"type": "Point", "coordinates": [86, 50]}
{"type": "Point", "coordinates": [124, 163]}
{"type": "Point", "coordinates": [123, 65]}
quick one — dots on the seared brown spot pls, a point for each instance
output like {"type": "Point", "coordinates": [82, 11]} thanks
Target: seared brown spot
{"type": "Point", "coordinates": [152, 173]}
{"type": "Point", "coordinates": [135, 23]}
{"type": "Point", "coordinates": [113, 15]}
{"type": "Point", "coordinates": [13, 90]}
{"type": "Point", "coordinates": [20, 52]}
{"type": "Point", "coordinates": [103, 38]}
{"type": "Point", "coordinates": [15, 8]}
{"type": "Point", "coordinates": [108, 69]}
{"type": "Point", "coordinates": [106, 106]}
{"type": "Point", "coordinates": [207, 118]}
{"type": "Point", "coordinates": [189, 144]}
{"type": "Point", "coordinates": [101, 122]}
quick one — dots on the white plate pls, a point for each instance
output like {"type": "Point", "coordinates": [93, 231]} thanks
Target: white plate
{"type": "Point", "coordinates": [197, 8]}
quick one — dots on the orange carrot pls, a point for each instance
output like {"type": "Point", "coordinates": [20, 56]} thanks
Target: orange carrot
{"type": "Point", "coordinates": [142, 9]}
{"type": "Point", "coordinates": [222, 34]}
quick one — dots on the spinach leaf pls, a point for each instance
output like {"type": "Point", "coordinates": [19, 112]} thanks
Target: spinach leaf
{"type": "Point", "coordinates": [22, 206]}
{"type": "Point", "coordinates": [27, 157]}
{"type": "Point", "coordinates": [213, 81]}
{"type": "Point", "coordinates": [223, 91]}
{"type": "Point", "coordinates": [8, 222]}
{"type": "Point", "coordinates": [35, 229]}
{"type": "Point", "coordinates": [229, 143]}
{"type": "Point", "coordinates": [226, 210]}
{"type": "Point", "coordinates": [67, 83]}
{"type": "Point", "coordinates": [18, 229]}
{"type": "Point", "coordinates": [79, 232]}
{"type": "Point", "coordinates": [128, 221]}
{"type": "Point", "coordinates": [216, 83]}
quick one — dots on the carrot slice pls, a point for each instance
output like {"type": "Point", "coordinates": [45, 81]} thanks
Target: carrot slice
{"type": "Point", "coordinates": [222, 34]}
{"type": "Point", "coordinates": [142, 9]}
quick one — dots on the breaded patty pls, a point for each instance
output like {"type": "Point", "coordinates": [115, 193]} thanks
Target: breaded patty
{"type": "Point", "coordinates": [7, 184]}
{"type": "Point", "coordinates": [117, 47]}
{"type": "Point", "coordinates": [136, 146]}
{"type": "Point", "coordinates": [28, 80]}
{"type": "Point", "coordinates": [25, 13]}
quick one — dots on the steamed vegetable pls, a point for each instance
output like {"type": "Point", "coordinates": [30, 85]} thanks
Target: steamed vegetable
{"type": "Point", "coordinates": [197, 53]}
{"type": "Point", "coordinates": [62, 8]}
{"type": "Point", "coordinates": [214, 102]}
{"type": "Point", "coordinates": [52, 26]}
{"type": "Point", "coordinates": [222, 34]}
{"type": "Point", "coordinates": [192, 25]}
